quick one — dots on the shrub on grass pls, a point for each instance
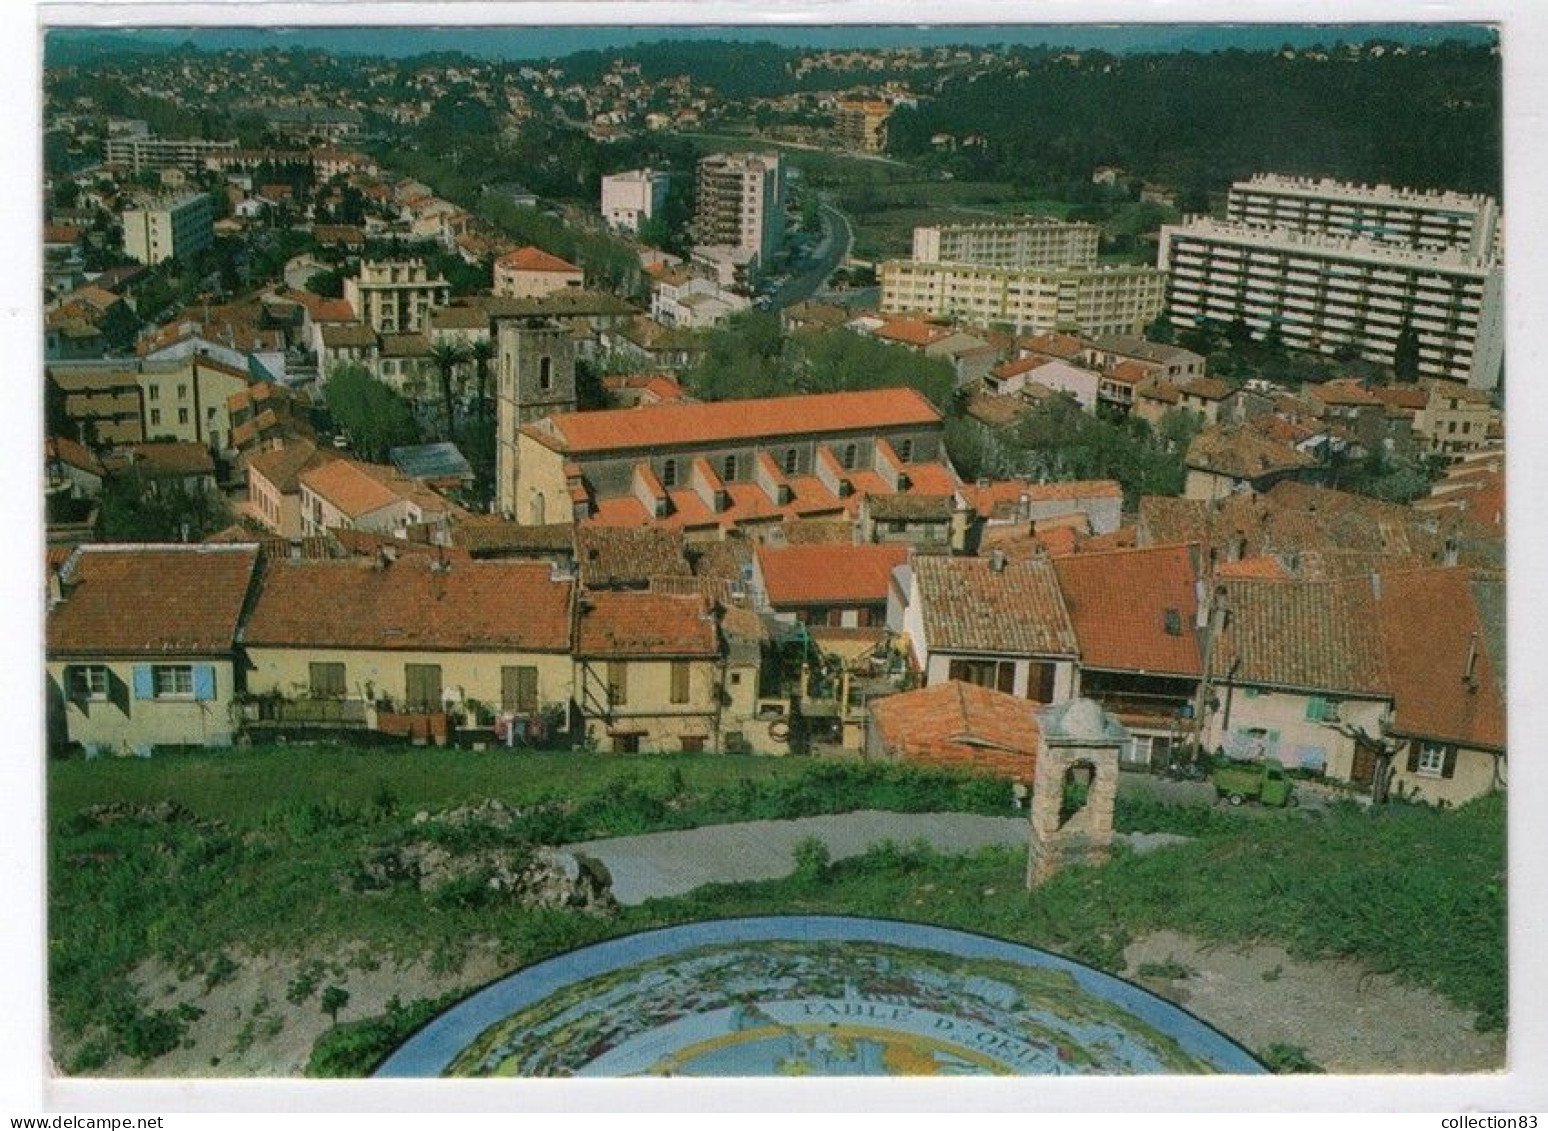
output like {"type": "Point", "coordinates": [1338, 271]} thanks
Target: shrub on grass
{"type": "Point", "coordinates": [812, 862]}
{"type": "Point", "coordinates": [355, 1048]}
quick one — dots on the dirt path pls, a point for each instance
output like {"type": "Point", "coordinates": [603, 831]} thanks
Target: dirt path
{"type": "Point", "coordinates": [1345, 1018]}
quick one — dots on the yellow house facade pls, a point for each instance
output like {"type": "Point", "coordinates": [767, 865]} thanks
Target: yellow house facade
{"type": "Point", "coordinates": [142, 646]}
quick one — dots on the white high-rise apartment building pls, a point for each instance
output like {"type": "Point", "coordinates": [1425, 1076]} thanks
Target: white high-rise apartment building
{"type": "Point", "coordinates": [164, 229]}
{"type": "Point", "coordinates": [1323, 292]}
{"type": "Point", "coordinates": [629, 199]}
{"type": "Point", "coordinates": [1418, 218]}
{"type": "Point", "coordinates": [1086, 301]}
{"type": "Point", "coordinates": [1035, 243]}
{"type": "Point", "coordinates": [741, 203]}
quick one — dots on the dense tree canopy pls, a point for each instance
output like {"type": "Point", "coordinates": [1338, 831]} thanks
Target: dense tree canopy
{"type": "Point", "coordinates": [375, 418]}
{"type": "Point", "coordinates": [749, 356]}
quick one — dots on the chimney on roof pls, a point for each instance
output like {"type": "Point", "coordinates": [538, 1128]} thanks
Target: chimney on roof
{"type": "Point", "coordinates": [1024, 507]}
{"type": "Point", "coordinates": [1470, 673]}
{"type": "Point", "coordinates": [1449, 555]}
{"type": "Point", "coordinates": [1376, 585]}
{"type": "Point", "coordinates": [385, 556]}
{"type": "Point", "coordinates": [997, 560]}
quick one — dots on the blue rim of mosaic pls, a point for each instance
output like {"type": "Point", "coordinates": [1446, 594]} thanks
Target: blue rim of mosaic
{"type": "Point", "coordinates": [433, 1048]}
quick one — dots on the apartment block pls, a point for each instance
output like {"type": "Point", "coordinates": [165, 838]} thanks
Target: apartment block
{"type": "Point", "coordinates": [169, 228]}
{"type": "Point", "coordinates": [1414, 218]}
{"type": "Point", "coordinates": [630, 199]}
{"type": "Point", "coordinates": [137, 154]}
{"type": "Point", "coordinates": [862, 126]}
{"type": "Point", "coordinates": [1031, 244]}
{"type": "Point", "coordinates": [1108, 300]}
{"type": "Point", "coordinates": [1326, 292]}
{"type": "Point", "coordinates": [741, 202]}
{"type": "Point", "coordinates": [395, 296]}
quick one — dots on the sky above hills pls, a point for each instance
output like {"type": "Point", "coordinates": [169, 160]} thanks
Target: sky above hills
{"type": "Point", "coordinates": [552, 42]}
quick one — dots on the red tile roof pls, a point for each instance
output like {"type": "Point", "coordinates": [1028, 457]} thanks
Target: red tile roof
{"type": "Point", "coordinates": [151, 600]}
{"type": "Point", "coordinates": [968, 606]}
{"type": "Point", "coordinates": [535, 259]}
{"type": "Point", "coordinates": [71, 453]}
{"type": "Point", "coordinates": [666, 425]}
{"type": "Point", "coordinates": [624, 624]}
{"type": "Point", "coordinates": [911, 332]}
{"type": "Point", "coordinates": [1307, 635]}
{"type": "Point", "coordinates": [283, 466]}
{"type": "Point", "coordinates": [961, 726]}
{"type": "Point", "coordinates": [412, 603]}
{"type": "Point", "coordinates": [1001, 497]}
{"type": "Point", "coordinates": [1134, 610]}
{"type": "Point", "coordinates": [829, 575]}
{"type": "Point", "coordinates": [1430, 623]}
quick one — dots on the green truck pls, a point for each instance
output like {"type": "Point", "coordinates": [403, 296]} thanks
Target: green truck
{"type": "Point", "coordinates": [1263, 780]}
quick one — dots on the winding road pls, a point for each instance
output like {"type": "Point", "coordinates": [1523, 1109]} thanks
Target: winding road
{"type": "Point", "coordinates": [659, 865]}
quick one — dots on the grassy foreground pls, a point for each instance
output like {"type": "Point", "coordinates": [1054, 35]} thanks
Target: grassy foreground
{"type": "Point", "coordinates": [259, 856]}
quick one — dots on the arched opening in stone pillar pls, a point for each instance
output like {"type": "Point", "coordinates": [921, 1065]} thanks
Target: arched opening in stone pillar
{"type": "Point", "coordinates": [1075, 792]}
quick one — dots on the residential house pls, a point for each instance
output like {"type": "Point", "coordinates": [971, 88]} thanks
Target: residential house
{"type": "Point", "coordinates": [648, 672]}
{"type": "Point", "coordinates": [991, 622]}
{"type": "Point", "coordinates": [274, 484]}
{"type": "Point", "coordinates": [837, 586]}
{"type": "Point", "coordinates": [1205, 397]}
{"type": "Point", "coordinates": [166, 465]}
{"type": "Point", "coordinates": [411, 634]}
{"type": "Point", "coordinates": [1455, 419]}
{"type": "Point", "coordinates": [1224, 460]}
{"type": "Point", "coordinates": [1293, 664]}
{"type": "Point", "coordinates": [71, 468]}
{"type": "Point", "coordinates": [1058, 376]}
{"type": "Point", "coordinates": [362, 496]}
{"type": "Point", "coordinates": [692, 302]}
{"type": "Point", "coordinates": [142, 645]}
{"type": "Point", "coordinates": [1135, 615]}
{"type": "Point", "coordinates": [1443, 634]}
{"type": "Point", "coordinates": [395, 296]}
{"type": "Point", "coordinates": [531, 272]}
{"type": "Point", "coordinates": [1018, 502]}
{"type": "Point", "coordinates": [937, 521]}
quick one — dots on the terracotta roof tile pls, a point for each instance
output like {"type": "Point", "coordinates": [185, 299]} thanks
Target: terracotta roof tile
{"type": "Point", "coordinates": [961, 726]}
{"type": "Point", "coordinates": [829, 574]}
{"type": "Point", "coordinates": [412, 603]}
{"type": "Point", "coordinates": [969, 607]}
{"type": "Point", "coordinates": [677, 424]}
{"type": "Point", "coordinates": [535, 259]}
{"type": "Point", "coordinates": [612, 557]}
{"type": "Point", "coordinates": [152, 600]}
{"type": "Point", "coordinates": [1134, 610]}
{"type": "Point", "coordinates": [1243, 453]}
{"type": "Point", "coordinates": [283, 466]}
{"type": "Point", "coordinates": [624, 624]}
{"type": "Point", "coordinates": [1307, 635]}
{"type": "Point", "coordinates": [1430, 622]}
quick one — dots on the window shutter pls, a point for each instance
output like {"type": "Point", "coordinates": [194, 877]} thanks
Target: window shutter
{"type": "Point", "coordinates": [1314, 709]}
{"type": "Point", "coordinates": [144, 683]}
{"type": "Point", "coordinates": [1413, 757]}
{"type": "Point", "coordinates": [204, 681]}
{"type": "Point", "coordinates": [1449, 766]}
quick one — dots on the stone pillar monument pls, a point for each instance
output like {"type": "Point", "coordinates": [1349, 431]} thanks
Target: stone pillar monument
{"type": "Point", "coordinates": [1078, 747]}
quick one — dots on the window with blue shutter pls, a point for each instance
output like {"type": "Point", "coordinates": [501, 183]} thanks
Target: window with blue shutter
{"type": "Point", "coordinates": [204, 681]}
{"type": "Point", "coordinates": [1314, 708]}
{"type": "Point", "coordinates": [144, 682]}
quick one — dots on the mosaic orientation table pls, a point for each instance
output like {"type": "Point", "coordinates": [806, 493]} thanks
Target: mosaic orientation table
{"type": "Point", "coordinates": [812, 996]}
